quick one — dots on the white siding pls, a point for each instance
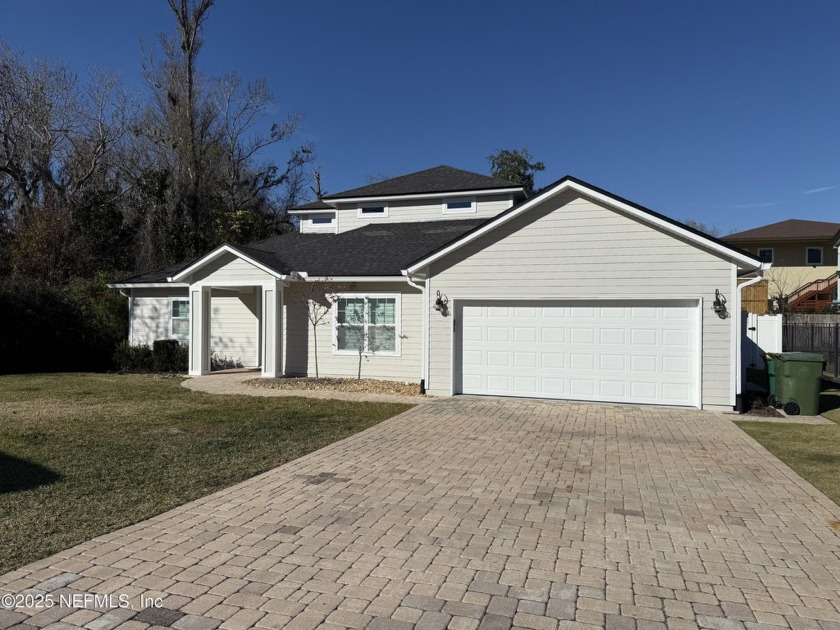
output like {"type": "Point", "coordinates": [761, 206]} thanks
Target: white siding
{"type": "Point", "coordinates": [300, 339]}
{"type": "Point", "coordinates": [230, 268]}
{"type": "Point", "coordinates": [308, 227]}
{"type": "Point", "coordinates": [414, 210]}
{"type": "Point", "coordinates": [573, 248]}
{"type": "Point", "coordinates": [234, 326]}
{"type": "Point", "coordinates": [150, 314]}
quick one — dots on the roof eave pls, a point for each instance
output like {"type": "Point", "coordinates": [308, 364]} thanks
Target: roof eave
{"type": "Point", "coordinates": [437, 193]}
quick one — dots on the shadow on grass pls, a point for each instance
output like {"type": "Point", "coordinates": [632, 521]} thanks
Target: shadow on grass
{"type": "Point", "coordinates": [829, 397]}
{"type": "Point", "coordinates": [18, 474]}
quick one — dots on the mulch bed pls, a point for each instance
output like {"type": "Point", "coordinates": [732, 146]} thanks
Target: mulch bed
{"type": "Point", "coordinates": [362, 386]}
{"type": "Point", "coordinates": [765, 411]}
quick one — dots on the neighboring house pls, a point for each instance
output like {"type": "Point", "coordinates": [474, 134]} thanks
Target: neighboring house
{"type": "Point", "coordinates": [803, 256]}
{"type": "Point", "coordinates": [454, 280]}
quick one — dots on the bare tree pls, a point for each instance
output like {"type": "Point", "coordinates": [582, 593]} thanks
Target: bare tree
{"type": "Point", "coordinates": [706, 228]}
{"type": "Point", "coordinates": [198, 161]}
{"type": "Point", "coordinates": [782, 282]}
{"type": "Point", "coordinates": [315, 301]}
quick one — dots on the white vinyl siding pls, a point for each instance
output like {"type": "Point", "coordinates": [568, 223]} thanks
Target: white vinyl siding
{"type": "Point", "coordinates": [406, 365]}
{"type": "Point", "coordinates": [414, 210]}
{"type": "Point", "coordinates": [317, 223]}
{"type": "Point", "coordinates": [571, 248]}
{"type": "Point", "coordinates": [150, 316]}
{"type": "Point", "coordinates": [234, 332]}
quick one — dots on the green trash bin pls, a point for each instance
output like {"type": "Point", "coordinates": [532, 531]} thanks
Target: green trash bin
{"type": "Point", "coordinates": [798, 380]}
{"type": "Point", "coordinates": [771, 377]}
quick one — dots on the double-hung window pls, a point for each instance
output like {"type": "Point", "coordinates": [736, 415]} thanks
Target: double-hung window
{"type": "Point", "coordinates": [179, 321]}
{"type": "Point", "coordinates": [367, 323]}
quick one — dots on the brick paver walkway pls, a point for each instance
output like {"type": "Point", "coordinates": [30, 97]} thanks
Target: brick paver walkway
{"type": "Point", "coordinates": [234, 383]}
{"type": "Point", "coordinates": [473, 513]}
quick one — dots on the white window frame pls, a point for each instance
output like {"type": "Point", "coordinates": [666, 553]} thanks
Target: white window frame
{"type": "Point", "coordinates": [758, 251]}
{"type": "Point", "coordinates": [378, 215]}
{"type": "Point", "coordinates": [397, 297]}
{"type": "Point", "coordinates": [172, 317]}
{"type": "Point", "coordinates": [808, 262]}
{"type": "Point", "coordinates": [330, 220]}
{"type": "Point", "coordinates": [471, 210]}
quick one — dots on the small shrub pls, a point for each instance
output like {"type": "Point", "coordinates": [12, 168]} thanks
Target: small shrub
{"type": "Point", "coordinates": [165, 355]}
{"type": "Point", "coordinates": [169, 355]}
{"type": "Point", "coordinates": [223, 363]}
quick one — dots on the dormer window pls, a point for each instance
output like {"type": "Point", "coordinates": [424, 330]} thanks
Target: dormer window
{"type": "Point", "coordinates": [371, 211]}
{"type": "Point", "coordinates": [459, 205]}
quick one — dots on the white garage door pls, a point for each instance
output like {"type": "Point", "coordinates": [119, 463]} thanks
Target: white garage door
{"type": "Point", "coordinates": [639, 352]}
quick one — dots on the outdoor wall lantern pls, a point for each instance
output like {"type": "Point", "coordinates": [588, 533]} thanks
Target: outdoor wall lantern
{"type": "Point", "coordinates": [719, 305]}
{"type": "Point", "coordinates": [442, 304]}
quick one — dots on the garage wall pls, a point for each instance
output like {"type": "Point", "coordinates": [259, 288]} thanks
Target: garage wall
{"type": "Point", "coordinates": [300, 339]}
{"type": "Point", "coordinates": [573, 248]}
{"type": "Point", "coordinates": [150, 314]}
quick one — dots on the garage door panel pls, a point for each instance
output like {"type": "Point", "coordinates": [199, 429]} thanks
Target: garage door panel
{"type": "Point", "coordinates": [619, 352]}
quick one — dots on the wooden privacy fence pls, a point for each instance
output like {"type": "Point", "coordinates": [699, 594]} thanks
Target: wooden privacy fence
{"type": "Point", "coordinates": [754, 298]}
{"type": "Point", "coordinates": [823, 339]}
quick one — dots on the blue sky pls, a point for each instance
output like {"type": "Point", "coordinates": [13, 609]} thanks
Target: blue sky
{"type": "Point", "coordinates": [727, 112]}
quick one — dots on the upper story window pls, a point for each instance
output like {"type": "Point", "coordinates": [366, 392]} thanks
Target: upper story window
{"type": "Point", "coordinates": [813, 255]}
{"type": "Point", "coordinates": [459, 205]}
{"type": "Point", "coordinates": [372, 211]}
{"type": "Point", "coordinates": [765, 254]}
{"type": "Point", "coordinates": [322, 220]}
{"type": "Point", "coordinates": [179, 322]}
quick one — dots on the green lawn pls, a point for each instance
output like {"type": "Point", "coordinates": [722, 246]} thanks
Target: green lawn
{"type": "Point", "coordinates": [83, 454]}
{"type": "Point", "coordinates": [813, 451]}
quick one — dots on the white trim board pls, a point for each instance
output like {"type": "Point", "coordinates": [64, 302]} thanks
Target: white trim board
{"type": "Point", "coordinates": [148, 285]}
{"type": "Point", "coordinates": [218, 252]}
{"type": "Point", "coordinates": [568, 184]}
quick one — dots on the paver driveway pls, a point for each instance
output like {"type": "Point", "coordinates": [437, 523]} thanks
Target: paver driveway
{"type": "Point", "coordinates": [468, 512]}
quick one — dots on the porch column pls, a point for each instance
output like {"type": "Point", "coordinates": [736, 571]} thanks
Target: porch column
{"type": "Point", "coordinates": [199, 330]}
{"type": "Point", "coordinates": [272, 329]}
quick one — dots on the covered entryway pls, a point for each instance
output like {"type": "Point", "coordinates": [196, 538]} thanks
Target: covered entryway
{"type": "Point", "coordinates": [644, 352]}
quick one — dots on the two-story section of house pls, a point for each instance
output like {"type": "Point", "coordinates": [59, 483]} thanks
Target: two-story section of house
{"type": "Point", "coordinates": [436, 194]}
{"type": "Point", "coordinates": [803, 258]}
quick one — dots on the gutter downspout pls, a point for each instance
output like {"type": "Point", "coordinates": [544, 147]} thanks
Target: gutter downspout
{"type": "Point", "coordinates": [739, 372]}
{"type": "Point", "coordinates": [424, 373]}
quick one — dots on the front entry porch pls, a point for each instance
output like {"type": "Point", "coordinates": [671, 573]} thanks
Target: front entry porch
{"type": "Point", "coordinates": [240, 317]}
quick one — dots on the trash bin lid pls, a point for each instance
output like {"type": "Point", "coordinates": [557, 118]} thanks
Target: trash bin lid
{"type": "Point", "coordinates": [808, 357]}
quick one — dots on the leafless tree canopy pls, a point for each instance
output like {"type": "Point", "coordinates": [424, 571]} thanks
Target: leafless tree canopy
{"type": "Point", "coordinates": [92, 178]}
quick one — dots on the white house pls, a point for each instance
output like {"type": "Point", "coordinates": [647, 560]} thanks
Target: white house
{"type": "Point", "coordinates": [456, 281]}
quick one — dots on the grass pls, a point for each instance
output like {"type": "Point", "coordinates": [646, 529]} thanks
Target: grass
{"type": "Point", "coordinates": [813, 451]}
{"type": "Point", "coordinates": [84, 454]}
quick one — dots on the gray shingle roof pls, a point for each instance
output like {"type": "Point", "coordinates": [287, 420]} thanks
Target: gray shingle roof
{"type": "Point", "coordinates": [373, 250]}
{"type": "Point", "coordinates": [312, 205]}
{"type": "Point", "coordinates": [440, 179]}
